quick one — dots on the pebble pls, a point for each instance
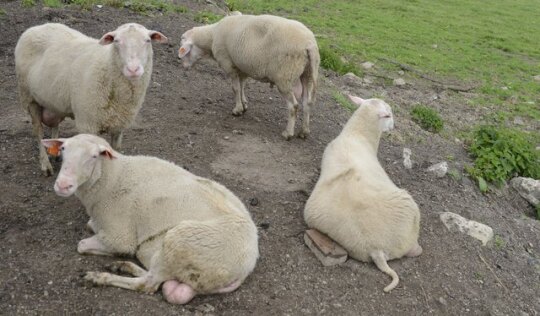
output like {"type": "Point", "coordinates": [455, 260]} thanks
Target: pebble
{"type": "Point", "coordinates": [254, 201]}
{"type": "Point", "coordinates": [399, 82]}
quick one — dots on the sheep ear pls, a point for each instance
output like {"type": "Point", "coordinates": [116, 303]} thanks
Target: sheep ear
{"type": "Point", "coordinates": [53, 146]}
{"type": "Point", "coordinates": [106, 152]}
{"type": "Point", "coordinates": [184, 50]}
{"type": "Point", "coordinates": [107, 38]}
{"type": "Point", "coordinates": [158, 37]}
{"type": "Point", "coordinates": [355, 99]}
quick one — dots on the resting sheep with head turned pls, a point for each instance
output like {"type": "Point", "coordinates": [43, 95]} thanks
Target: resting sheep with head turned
{"type": "Point", "coordinates": [355, 202]}
{"type": "Point", "coordinates": [266, 48]}
{"type": "Point", "coordinates": [191, 234]}
{"type": "Point", "coordinates": [100, 83]}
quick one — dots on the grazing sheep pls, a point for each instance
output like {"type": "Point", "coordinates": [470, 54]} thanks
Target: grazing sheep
{"type": "Point", "coordinates": [267, 48]}
{"type": "Point", "coordinates": [355, 202]}
{"type": "Point", "coordinates": [64, 73]}
{"type": "Point", "coordinates": [192, 234]}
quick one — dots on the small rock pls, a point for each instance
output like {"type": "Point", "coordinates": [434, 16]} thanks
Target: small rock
{"type": "Point", "coordinates": [504, 88]}
{"type": "Point", "coordinates": [434, 46]}
{"type": "Point", "coordinates": [254, 201]}
{"type": "Point", "coordinates": [518, 120]}
{"type": "Point", "coordinates": [528, 188]}
{"type": "Point", "coordinates": [537, 78]}
{"type": "Point", "coordinates": [325, 249]}
{"type": "Point", "coordinates": [401, 72]}
{"type": "Point", "coordinates": [225, 137]}
{"type": "Point", "coordinates": [439, 170]}
{"type": "Point", "coordinates": [367, 80]}
{"type": "Point", "coordinates": [407, 158]}
{"type": "Point", "coordinates": [99, 6]}
{"type": "Point", "coordinates": [237, 132]}
{"type": "Point", "coordinates": [205, 308]}
{"type": "Point", "coordinates": [352, 79]}
{"type": "Point", "coordinates": [367, 65]}
{"type": "Point", "coordinates": [474, 229]}
{"type": "Point", "coordinates": [156, 84]}
{"type": "Point", "coordinates": [442, 301]}
{"type": "Point", "coordinates": [264, 225]}
{"type": "Point", "coordinates": [399, 82]}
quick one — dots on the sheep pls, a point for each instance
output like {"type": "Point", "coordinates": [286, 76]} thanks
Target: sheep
{"type": "Point", "coordinates": [266, 48]}
{"type": "Point", "coordinates": [355, 202]}
{"type": "Point", "coordinates": [64, 73]}
{"type": "Point", "coordinates": [190, 233]}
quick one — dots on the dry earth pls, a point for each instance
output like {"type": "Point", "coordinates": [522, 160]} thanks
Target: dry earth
{"type": "Point", "coordinates": [187, 119]}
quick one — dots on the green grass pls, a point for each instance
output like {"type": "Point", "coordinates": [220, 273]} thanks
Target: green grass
{"type": "Point", "coordinates": [140, 6]}
{"type": "Point", "coordinates": [52, 3]}
{"type": "Point", "coordinates": [427, 118]}
{"type": "Point", "coordinates": [207, 17]}
{"type": "Point", "coordinates": [344, 101]}
{"type": "Point", "coordinates": [491, 44]}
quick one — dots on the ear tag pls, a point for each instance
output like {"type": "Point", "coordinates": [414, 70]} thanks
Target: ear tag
{"type": "Point", "coordinates": [54, 150]}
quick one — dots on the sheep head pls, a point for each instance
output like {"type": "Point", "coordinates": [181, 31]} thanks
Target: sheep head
{"type": "Point", "coordinates": [133, 41]}
{"type": "Point", "coordinates": [82, 156]}
{"type": "Point", "coordinates": [374, 110]}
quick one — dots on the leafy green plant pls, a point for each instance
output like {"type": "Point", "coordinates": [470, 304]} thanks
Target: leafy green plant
{"type": "Point", "coordinates": [538, 211]}
{"type": "Point", "coordinates": [427, 118]}
{"type": "Point", "coordinates": [28, 3]}
{"type": "Point", "coordinates": [331, 60]}
{"type": "Point", "coordinates": [2, 12]}
{"type": "Point", "coordinates": [52, 3]}
{"type": "Point", "coordinates": [454, 174]}
{"type": "Point", "coordinates": [500, 153]}
{"type": "Point", "coordinates": [207, 17]}
{"type": "Point", "coordinates": [139, 6]}
{"type": "Point", "coordinates": [499, 242]}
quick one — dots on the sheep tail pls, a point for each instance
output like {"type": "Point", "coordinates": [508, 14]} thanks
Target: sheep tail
{"type": "Point", "coordinates": [380, 261]}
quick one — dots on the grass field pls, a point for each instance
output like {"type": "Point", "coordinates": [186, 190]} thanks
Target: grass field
{"type": "Point", "coordinates": [493, 45]}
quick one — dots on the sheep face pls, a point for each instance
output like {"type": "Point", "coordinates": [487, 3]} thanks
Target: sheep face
{"type": "Point", "coordinates": [132, 42]}
{"type": "Point", "coordinates": [189, 52]}
{"type": "Point", "coordinates": [377, 109]}
{"type": "Point", "coordinates": [81, 160]}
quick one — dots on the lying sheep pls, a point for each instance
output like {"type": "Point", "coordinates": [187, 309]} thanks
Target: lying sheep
{"type": "Point", "coordinates": [355, 202]}
{"type": "Point", "coordinates": [192, 234]}
{"type": "Point", "coordinates": [64, 73]}
{"type": "Point", "coordinates": [267, 48]}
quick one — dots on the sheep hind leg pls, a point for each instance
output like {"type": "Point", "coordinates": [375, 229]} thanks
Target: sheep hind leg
{"type": "Point", "coordinates": [379, 258]}
{"type": "Point", "coordinates": [127, 267]}
{"type": "Point", "coordinates": [292, 106]}
{"type": "Point", "coordinates": [237, 89]}
{"type": "Point", "coordinates": [243, 81]}
{"type": "Point", "coordinates": [307, 89]}
{"type": "Point", "coordinates": [35, 113]}
{"type": "Point", "coordinates": [415, 251]}
{"type": "Point", "coordinates": [145, 283]}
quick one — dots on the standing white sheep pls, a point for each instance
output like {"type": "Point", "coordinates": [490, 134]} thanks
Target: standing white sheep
{"type": "Point", "coordinates": [100, 83]}
{"type": "Point", "coordinates": [267, 48]}
{"type": "Point", "coordinates": [192, 234]}
{"type": "Point", "coordinates": [356, 203]}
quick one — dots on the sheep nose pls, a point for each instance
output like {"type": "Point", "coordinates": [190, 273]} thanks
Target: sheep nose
{"type": "Point", "coordinates": [64, 186]}
{"type": "Point", "coordinates": [133, 69]}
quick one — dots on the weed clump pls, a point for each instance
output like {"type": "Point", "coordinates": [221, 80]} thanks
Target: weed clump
{"type": "Point", "coordinates": [207, 17]}
{"type": "Point", "coordinates": [501, 153]}
{"type": "Point", "coordinates": [330, 60]}
{"type": "Point", "coordinates": [427, 118]}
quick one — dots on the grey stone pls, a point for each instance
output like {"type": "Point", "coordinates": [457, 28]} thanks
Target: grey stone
{"type": "Point", "coordinates": [537, 78]}
{"type": "Point", "coordinates": [439, 170]}
{"type": "Point", "coordinates": [367, 65]}
{"type": "Point", "coordinates": [518, 120]}
{"type": "Point", "coordinates": [399, 82]}
{"type": "Point", "coordinates": [480, 231]}
{"type": "Point", "coordinates": [352, 79]}
{"type": "Point", "coordinates": [528, 188]}
{"type": "Point", "coordinates": [407, 158]}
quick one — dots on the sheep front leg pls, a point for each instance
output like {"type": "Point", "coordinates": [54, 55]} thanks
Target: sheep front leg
{"type": "Point", "coordinates": [237, 89]}
{"type": "Point", "coordinates": [145, 283]}
{"type": "Point", "coordinates": [116, 139]}
{"type": "Point", "coordinates": [243, 81]}
{"type": "Point", "coordinates": [292, 106]}
{"type": "Point", "coordinates": [35, 113]}
{"type": "Point", "coordinates": [93, 246]}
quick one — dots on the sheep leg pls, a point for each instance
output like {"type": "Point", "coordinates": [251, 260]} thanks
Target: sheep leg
{"type": "Point", "coordinates": [55, 131]}
{"type": "Point", "coordinates": [415, 251]}
{"type": "Point", "coordinates": [243, 81]}
{"type": "Point", "coordinates": [127, 267]}
{"type": "Point", "coordinates": [306, 108]}
{"type": "Point", "coordinates": [379, 258]}
{"type": "Point", "coordinates": [116, 139]}
{"type": "Point", "coordinates": [146, 283]}
{"type": "Point", "coordinates": [35, 113]}
{"type": "Point", "coordinates": [292, 106]}
{"type": "Point", "coordinates": [91, 226]}
{"type": "Point", "coordinates": [237, 89]}
{"type": "Point", "coordinates": [93, 246]}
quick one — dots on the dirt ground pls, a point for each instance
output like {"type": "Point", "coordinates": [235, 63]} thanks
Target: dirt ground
{"type": "Point", "coordinates": [186, 118]}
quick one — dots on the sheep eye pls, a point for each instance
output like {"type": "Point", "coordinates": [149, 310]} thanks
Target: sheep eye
{"type": "Point", "coordinates": [94, 156]}
{"type": "Point", "coordinates": [62, 148]}
{"type": "Point", "coordinates": [147, 40]}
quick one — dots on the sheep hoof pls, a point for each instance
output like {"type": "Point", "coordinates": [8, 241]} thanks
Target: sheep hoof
{"type": "Point", "coordinates": [47, 169]}
{"type": "Point", "coordinates": [303, 135]}
{"type": "Point", "coordinates": [237, 113]}
{"type": "Point", "coordinates": [287, 135]}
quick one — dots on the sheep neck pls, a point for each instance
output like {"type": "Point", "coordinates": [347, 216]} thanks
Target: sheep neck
{"type": "Point", "coordinates": [203, 37]}
{"type": "Point", "coordinates": [369, 133]}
